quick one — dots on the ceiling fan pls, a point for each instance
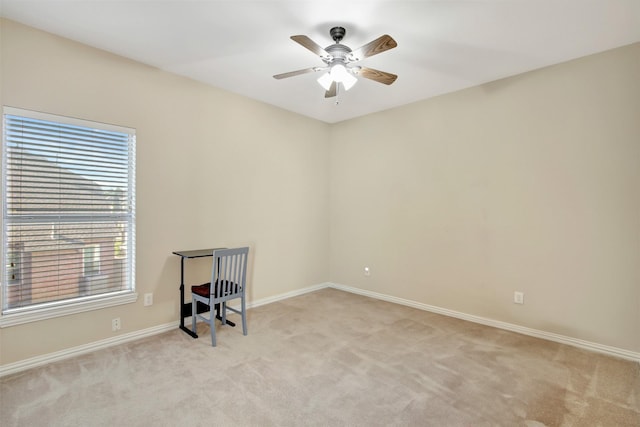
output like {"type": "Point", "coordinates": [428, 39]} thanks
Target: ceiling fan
{"type": "Point", "coordinates": [339, 61]}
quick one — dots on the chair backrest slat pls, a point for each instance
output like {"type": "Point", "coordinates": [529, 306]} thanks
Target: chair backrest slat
{"type": "Point", "coordinates": [229, 273]}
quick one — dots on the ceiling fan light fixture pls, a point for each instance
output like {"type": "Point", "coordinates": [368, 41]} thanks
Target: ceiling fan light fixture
{"type": "Point", "coordinates": [325, 81]}
{"type": "Point", "coordinates": [340, 74]}
{"type": "Point", "coordinates": [348, 80]}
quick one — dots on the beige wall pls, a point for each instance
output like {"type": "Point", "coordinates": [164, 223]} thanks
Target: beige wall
{"type": "Point", "coordinates": [530, 184]}
{"type": "Point", "coordinates": [213, 169]}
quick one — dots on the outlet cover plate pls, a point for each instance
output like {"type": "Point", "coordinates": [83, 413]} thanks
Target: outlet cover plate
{"type": "Point", "coordinates": [148, 299]}
{"type": "Point", "coordinates": [518, 297]}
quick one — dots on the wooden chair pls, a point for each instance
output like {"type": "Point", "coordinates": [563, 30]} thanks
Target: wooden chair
{"type": "Point", "coordinates": [228, 282]}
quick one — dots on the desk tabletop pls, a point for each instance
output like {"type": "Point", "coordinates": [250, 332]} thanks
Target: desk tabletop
{"type": "Point", "coordinates": [196, 253]}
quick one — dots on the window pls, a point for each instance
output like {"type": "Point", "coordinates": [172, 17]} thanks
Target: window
{"type": "Point", "coordinates": [68, 214]}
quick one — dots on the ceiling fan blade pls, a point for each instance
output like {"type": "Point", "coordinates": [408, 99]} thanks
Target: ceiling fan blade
{"type": "Point", "coordinates": [332, 90]}
{"type": "Point", "coordinates": [375, 47]}
{"type": "Point", "coordinates": [377, 75]}
{"type": "Point", "coordinates": [296, 73]}
{"type": "Point", "coordinates": [311, 45]}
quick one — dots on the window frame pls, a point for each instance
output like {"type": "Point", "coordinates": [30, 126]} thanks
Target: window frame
{"type": "Point", "coordinates": [78, 304]}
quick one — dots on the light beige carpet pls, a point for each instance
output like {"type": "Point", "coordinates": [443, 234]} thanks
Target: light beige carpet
{"type": "Point", "coordinates": [331, 358]}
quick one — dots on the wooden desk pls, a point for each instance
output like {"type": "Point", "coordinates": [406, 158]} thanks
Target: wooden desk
{"type": "Point", "coordinates": [185, 308]}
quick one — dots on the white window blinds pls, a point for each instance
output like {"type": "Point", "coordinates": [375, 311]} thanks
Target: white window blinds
{"type": "Point", "coordinates": [68, 210]}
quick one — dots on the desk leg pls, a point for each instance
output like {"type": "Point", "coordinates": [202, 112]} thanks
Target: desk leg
{"type": "Point", "coordinates": [182, 305]}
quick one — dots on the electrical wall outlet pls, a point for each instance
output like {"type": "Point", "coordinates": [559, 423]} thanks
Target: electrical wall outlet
{"type": "Point", "coordinates": [518, 297]}
{"type": "Point", "coordinates": [115, 324]}
{"type": "Point", "coordinates": [148, 299]}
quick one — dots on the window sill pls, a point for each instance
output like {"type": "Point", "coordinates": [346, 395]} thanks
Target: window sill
{"type": "Point", "coordinates": [49, 312]}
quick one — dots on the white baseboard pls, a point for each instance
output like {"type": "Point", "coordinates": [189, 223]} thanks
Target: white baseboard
{"type": "Point", "coordinates": [33, 362]}
{"type": "Point", "coordinates": [600, 348]}
{"type": "Point", "coordinates": [287, 295]}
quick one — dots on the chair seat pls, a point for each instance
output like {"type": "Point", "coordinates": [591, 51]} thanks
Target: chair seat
{"type": "Point", "coordinates": [204, 290]}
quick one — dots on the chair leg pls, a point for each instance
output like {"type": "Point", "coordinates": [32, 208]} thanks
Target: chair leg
{"type": "Point", "coordinates": [244, 316]}
{"type": "Point", "coordinates": [212, 326]}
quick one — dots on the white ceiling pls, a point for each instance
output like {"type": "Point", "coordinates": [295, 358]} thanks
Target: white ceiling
{"type": "Point", "coordinates": [238, 45]}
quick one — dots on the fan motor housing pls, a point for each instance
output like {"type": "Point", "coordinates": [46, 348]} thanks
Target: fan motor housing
{"type": "Point", "coordinates": [338, 52]}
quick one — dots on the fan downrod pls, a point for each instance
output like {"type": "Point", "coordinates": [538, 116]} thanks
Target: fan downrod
{"type": "Point", "coordinates": [337, 33]}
